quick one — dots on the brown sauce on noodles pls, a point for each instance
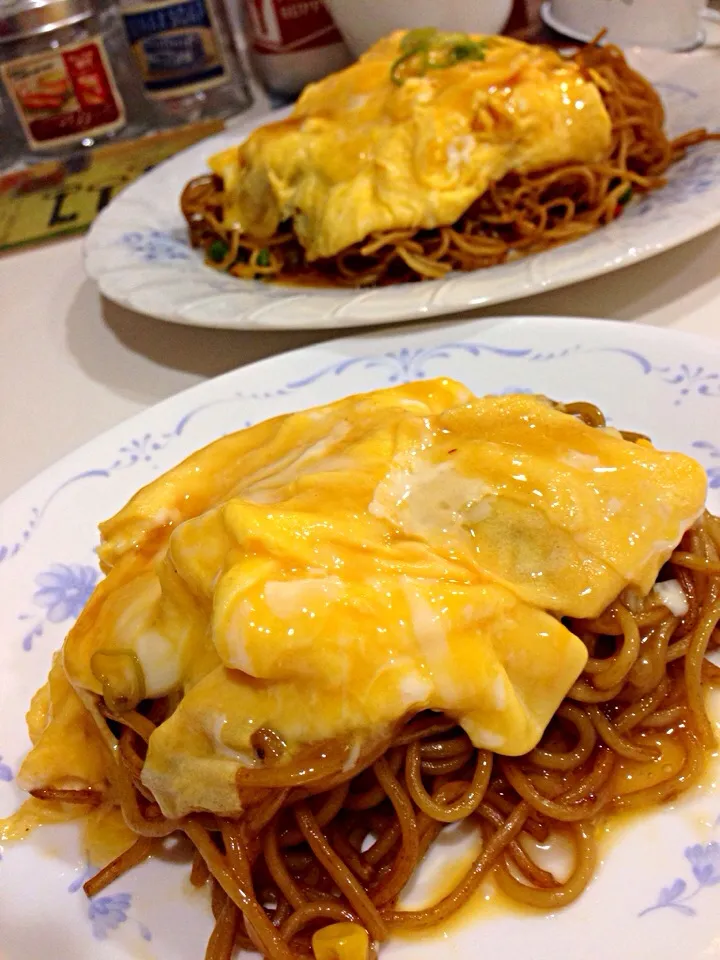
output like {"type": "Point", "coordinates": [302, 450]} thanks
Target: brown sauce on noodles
{"type": "Point", "coordinates": [520, 214]}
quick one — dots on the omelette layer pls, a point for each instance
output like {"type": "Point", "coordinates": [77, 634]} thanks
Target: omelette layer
{"type": "Point", "coordinates": [328, 573]}
{"type": "Point", "coordinates": [362, 154]}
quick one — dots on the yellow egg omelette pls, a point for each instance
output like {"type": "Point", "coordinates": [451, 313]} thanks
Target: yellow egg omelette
{"type": "Point", "coordinates": [379, 147]}
{"type": "Point", "coordinates": [327, 574]}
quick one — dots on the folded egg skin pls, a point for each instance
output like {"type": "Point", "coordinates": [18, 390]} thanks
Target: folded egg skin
{"type": "Point", "coordinates": [329, 573]}
{"type": "Point", "coordinates": [361, 154]}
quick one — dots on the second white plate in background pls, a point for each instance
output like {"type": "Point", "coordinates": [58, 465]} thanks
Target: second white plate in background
{"type": "Point", "coordinates": [138, 249]}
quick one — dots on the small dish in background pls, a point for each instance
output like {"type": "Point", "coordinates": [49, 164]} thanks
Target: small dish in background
{"type": "Point", "coordinates": [676, 27]}
{"type": "Point", "coordinates": [362, 22]}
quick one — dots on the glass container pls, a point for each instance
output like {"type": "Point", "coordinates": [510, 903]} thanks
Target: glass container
{"type": "Point", "coordinates": [66, 77]}
{"type": "Point", "coordinates": [186, 58]}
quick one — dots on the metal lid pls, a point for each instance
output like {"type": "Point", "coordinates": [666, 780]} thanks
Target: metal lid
{"type": "Point", "coordinates": [27, 18]}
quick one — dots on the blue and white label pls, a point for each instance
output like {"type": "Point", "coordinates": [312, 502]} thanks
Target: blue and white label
{"type": "Point", "coordinates": [176, 46]}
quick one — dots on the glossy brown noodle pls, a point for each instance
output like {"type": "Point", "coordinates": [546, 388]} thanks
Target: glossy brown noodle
{"type": "Point", "coordinates": [522, 213]}
{"type": "Point", "coordinates": [320, 843]}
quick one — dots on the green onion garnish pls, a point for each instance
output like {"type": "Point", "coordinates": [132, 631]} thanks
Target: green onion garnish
{"type": "Point", "coordinates": [217, 251]}
{"type": "Point", "coordinates": [426, 49]}
{"type": "Point", "coordinates": [419, 38]}
{"type": "Point", "coordinates": [263, 258]}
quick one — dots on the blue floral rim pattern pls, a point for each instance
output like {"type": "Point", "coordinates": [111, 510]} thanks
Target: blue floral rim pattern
{"type": "Point", "coordinates": [107, 912]}
{"type": "Point", "coordinates": [704, 862]}
{"type": "Point", "coordinates": [400, 366]}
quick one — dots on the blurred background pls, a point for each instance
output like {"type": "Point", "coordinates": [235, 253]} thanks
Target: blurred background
{"type": "Point", "coordinates": [95, 92]}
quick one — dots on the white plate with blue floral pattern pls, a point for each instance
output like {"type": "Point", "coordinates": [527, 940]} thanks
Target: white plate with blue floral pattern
{"type": "Point", "coordinates": [138, 250]}
{"type": "Point", "coordinates": [657, 891]}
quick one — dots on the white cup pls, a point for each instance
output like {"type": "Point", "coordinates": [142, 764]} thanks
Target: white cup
{"type": "Point", "coordinates": [668, 24]}
{"type": "Point", "coordinates": [362, 22]}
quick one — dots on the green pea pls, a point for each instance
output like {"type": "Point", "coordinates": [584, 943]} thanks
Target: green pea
{"type": "Point", "coordinates": [218, 251]}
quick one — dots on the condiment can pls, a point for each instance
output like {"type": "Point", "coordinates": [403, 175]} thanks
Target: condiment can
{"type": "Point", "coordinates": [67, 81]}
{"type": "Point", "coordinates": [186, 58]}
{"type": "Point", "coordinates": [293, 42]}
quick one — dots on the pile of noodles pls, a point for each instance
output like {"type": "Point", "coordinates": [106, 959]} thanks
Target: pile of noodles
{"type": "Point", "coordinates": [323, 841]}
{"type": "Point", "coordinates": [522, 213]}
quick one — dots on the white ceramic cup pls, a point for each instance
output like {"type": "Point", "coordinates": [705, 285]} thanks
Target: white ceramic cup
{"type": "Point", "coordinates": [668, 24]}
{"type": "Point", "coordinates": [362, 22]}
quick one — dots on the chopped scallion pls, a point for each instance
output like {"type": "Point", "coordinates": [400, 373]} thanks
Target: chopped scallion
{"type": "Point", "coordinates": [218, 251]}
{"type": "Point", "coordinates": [426, 49]}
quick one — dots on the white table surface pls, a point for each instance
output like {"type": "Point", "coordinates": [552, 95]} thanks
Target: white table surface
{"type": "Point", "coordinates": [73, 365]}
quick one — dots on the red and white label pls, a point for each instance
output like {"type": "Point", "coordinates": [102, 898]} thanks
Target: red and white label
{"type": "Point", "coordinates": [288, 26]}
{"type": "Point", "coordinates": [65, 94]}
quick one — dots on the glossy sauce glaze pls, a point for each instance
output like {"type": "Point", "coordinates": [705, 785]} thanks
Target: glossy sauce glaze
{"type": "Point", "coordinates": [362, 153]}
{"type": "Point", "coordinates": [326, 574]}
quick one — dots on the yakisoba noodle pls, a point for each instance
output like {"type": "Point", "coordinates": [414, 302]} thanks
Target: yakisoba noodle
{"type": "Point", "coordinates": [522, 213]}
{"type": "Point", "coordinates": [332, 836]}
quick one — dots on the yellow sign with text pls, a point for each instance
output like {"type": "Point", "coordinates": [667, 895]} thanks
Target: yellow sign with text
{"type": "Point", "coordinates": [54, 198]}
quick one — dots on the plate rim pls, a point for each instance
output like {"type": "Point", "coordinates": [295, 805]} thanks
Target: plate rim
{"type": "Point", "coordinates": [46, 474]}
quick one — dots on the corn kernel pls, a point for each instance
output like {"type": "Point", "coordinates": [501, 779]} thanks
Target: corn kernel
{"type": "Point", "coordinates": [341, 941]}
